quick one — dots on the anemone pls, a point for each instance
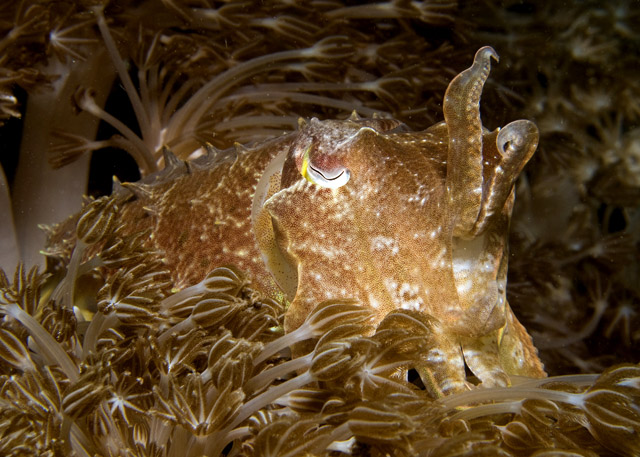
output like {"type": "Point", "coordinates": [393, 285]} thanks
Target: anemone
{"type": "Point", "coordinates": [121, 385]}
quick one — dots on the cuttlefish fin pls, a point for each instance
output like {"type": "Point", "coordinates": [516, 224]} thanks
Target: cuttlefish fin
{"type": "Point", "coordinates": [283, 272]}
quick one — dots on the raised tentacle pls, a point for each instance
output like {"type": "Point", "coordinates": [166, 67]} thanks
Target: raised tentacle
{"type": "Point", "coordinates": [464, 164]}
{"type": "Point", "coordinates": [515, 143]}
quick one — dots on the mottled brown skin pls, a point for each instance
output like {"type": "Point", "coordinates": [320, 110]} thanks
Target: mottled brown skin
{"type": "Point", "coordinates": [365, 209]}
{"type": "Point", "coordinates": [200, 212]}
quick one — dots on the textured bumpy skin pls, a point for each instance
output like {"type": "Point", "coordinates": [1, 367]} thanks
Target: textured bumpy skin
{"type": "Point", "coordinates": [364, 209]}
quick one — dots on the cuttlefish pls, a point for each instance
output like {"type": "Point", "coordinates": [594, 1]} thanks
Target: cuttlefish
{"type": "Point", "coordinates": [369, 210]}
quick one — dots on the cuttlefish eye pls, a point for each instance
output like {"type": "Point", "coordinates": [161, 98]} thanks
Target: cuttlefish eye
{"type": "Point", "coordinates": [333, 178]}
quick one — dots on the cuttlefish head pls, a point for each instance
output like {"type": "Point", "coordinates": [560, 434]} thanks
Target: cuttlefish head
{"type": "Point", "coordinates": [365, 209]}
{"type": "Point", "coordinates": [322, 150]}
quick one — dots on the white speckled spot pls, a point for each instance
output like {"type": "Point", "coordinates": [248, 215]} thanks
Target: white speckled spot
{"type": "Point", "coordinates": [464, 287]}
{"type": "Point", "coordinates": [383, 243]}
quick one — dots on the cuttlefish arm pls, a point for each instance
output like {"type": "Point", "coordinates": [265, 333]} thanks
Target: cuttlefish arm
{"type": "Point", "coordinates": [506, 151]}
{"type": "Point", "coordinates": [481, 171]}
{"type": "Point", "coordinates": [482, 168]}
{"type": "Point", "coordinates": [461, 109]}
{"type": "Point", "coordinates": [476, 256]}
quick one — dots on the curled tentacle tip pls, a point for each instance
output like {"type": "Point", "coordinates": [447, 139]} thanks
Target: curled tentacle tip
{"type": "Point", "coordinates": [485, 53]}
{"type": "Point", "coordinates": [517, 136]}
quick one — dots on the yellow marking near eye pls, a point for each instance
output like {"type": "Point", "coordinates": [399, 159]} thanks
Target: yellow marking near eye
{"type": "Point", "coordinates": [305, 166]}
